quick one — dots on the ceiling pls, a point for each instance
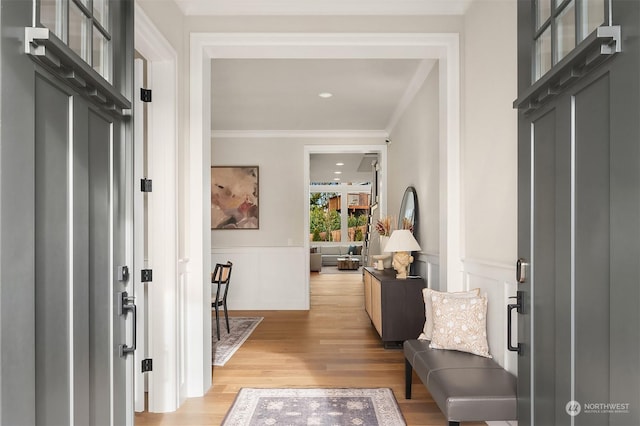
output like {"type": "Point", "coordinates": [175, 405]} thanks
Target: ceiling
{"type": "Point", "coordinates": [279, 96]}
{"type": "Point", "coordinates": [282, 94]}
{"type": "Point", "coordinates": [356, 168]}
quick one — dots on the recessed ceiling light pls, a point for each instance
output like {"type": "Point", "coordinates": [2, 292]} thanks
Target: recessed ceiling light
{"type": "Point", "coordinates": [325, 95]}
{"type": "Point", "coordinates": [337, 172]}
{"type": "Point", "coordinates": [336, 178]}
{"type": "Point", "coordinates": [339, 164]}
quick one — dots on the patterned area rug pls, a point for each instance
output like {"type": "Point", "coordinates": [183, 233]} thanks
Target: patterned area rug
{"type": "Point", "coordinates": [229, 343]}
{"type": "Point", "coordinates": [366, 407]}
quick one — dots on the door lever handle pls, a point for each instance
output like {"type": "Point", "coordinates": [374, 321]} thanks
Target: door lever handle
{"type": "Point", "coordinates": [510, 307]}
{"type": "Point", "coordinates": [126, 306]}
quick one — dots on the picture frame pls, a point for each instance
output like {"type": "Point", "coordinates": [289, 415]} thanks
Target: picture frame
{"type": "Point", "coordinates": [235, 197]}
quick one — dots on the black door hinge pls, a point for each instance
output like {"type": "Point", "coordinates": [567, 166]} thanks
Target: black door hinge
{"type": "Point", "coordinates": [147, 365]}
{"type": "Point", "coordinates": [146, 185]}
{"type": "Point", "coordinates": [145, 95]}
{"type": "Point", "coordinates": [146, 275]}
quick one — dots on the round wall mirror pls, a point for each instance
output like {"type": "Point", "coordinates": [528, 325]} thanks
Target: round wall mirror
{"type": "Point", "coordinates": [408, 217]}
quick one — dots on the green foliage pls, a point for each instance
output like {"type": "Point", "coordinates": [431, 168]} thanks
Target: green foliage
{"type": "Point", "coordinates": [323, 221]}
{"type": "Point", "coordinates": [358, 235]}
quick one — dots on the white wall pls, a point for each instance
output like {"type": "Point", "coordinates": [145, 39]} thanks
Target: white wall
{"type": "Point", "coordinates": [489, 157]}
{"type": "Point", "coordinates": [413, 160]}
{"type": "Point", "coordinates": [489, 134]}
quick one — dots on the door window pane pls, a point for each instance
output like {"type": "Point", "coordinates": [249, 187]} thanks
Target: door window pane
{"type": "Point", "coordinates": [543, 53]}
{"type": "Point", "coordinates": [593, 16]}
{"type": "Point", "coordinates": [543, 12]}
{"type": "Point", "coordinates": [100, 58]}
{"type": "Point", "coordinates": [566, 31]}
{"type": "Point", "coordinates": [78, 27]}
{"type": "Point", "coordinates": [100, 12]}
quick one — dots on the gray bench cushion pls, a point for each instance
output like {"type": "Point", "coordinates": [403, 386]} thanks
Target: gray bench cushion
{"type": "Point", "coordinates": [466, 387]}
{"type": "Point", "coordinates": [472, 394]}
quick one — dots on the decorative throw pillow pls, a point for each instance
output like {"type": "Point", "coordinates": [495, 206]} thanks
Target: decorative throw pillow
{"type": "Point", "coordinates": [460, 324]}
{"type": "Point", "coordinates": [352, 250]}
{"type": "Point", "coordinates": [427, 330]}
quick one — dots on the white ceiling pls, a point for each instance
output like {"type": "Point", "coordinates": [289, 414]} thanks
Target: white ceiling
{"type": "Point", "coordinates": [357, 168]}
{"type": "Point", "coordinates": [280, 96]}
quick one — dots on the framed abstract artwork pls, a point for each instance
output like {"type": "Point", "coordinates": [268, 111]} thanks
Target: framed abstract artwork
{"type": "Point", "coordinates": [234, 197]}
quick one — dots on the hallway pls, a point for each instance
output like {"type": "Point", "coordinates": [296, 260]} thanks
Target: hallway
{"type": "Point", "coordinates": [332, 345]}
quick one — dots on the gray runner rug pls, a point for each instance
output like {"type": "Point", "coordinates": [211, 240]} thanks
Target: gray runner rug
{"type": "Point", "coordinates": [367, 407]}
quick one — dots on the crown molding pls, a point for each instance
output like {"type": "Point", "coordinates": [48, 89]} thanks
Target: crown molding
{"type": "Point", "coordinates": [328, 8]}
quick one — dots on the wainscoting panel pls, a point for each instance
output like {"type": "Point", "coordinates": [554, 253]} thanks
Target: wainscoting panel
{"type": "Point", "coordinates": [427, 265]}
{"type": "Point", "coordinates": [497, 281]}
{"type": "Point", "coordinates": [266, 278]}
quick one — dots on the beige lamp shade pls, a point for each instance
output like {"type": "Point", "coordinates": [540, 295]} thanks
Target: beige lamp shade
{"type": "Point", "coordinates": [402, 243]}
{"type": "Point", "coordinates": [402, 240]}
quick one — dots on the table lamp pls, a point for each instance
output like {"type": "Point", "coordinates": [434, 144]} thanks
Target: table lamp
{"type": "Point", "coordinates": [402, 243]}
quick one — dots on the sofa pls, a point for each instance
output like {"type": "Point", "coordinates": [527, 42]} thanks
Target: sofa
{"type": "Point", "coordinates": [328, 255]}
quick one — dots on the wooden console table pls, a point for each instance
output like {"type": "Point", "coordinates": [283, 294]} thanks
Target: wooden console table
{"type": "Point", "coordinates": [396, 307]}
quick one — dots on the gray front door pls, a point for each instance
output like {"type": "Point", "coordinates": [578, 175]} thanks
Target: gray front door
{"type": "Point", "coordinates": [78, 247]}
{"type": "Point", "coordinates": [579, 221]}
{"type": "Point", "coordinates": [66, 148]}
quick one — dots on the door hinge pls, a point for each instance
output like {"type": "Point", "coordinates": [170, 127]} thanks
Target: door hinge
{"type": "Point", "coordinates": [147, 365]}
{"type": "Point", "coordinates": [146, 185]}
{"type": "Point", "coordinates": [146, 275]}
{"type": "Point", "coordinates": [145, 95]}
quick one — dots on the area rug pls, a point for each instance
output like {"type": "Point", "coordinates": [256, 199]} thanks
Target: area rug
{"type": "Point", "coordinates": [229, 343]}
{"type": "Point", "coordinates": [366, 407]}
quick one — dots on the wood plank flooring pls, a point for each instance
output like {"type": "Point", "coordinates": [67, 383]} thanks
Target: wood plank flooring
{"type": "Point", "coordinates": [331, 345]}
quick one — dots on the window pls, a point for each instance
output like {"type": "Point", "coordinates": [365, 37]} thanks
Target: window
{"type": "Point", "coordinates": [83, 25]}
{"type": "Point", "coordinates": [560, 25]}
{"type": "Point", "coordinates": [333, 219]}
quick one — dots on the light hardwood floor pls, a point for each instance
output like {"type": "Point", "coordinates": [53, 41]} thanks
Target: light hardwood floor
{"type": "Point", "coordinates": [331, 345]}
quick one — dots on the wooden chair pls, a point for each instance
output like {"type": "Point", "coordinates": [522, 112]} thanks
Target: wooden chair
{"type": "Point", "coordinates": [220, 277]}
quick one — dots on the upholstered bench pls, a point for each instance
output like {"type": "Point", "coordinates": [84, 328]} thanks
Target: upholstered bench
{"type": "Point", "coordinates": [466, 387]}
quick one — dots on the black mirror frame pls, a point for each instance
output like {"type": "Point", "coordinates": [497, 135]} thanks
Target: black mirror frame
{"type": "Point", "coordinates": [409, 196]}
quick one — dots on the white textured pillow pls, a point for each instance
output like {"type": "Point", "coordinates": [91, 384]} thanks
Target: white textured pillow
{"type": "Point", "coordinates": [427, 330]}
{"type": "Point", "coordinates": [460, 324]}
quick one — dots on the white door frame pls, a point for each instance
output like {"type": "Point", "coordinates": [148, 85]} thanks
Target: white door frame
{"type": "Point", "coordinates": [207, 46]}
{"type": "Point", "coordinates": [165, 294]}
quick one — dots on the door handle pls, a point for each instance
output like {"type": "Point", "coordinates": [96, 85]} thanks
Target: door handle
{"type": "Point", "coordinates": [126, 306]}
{"type": "Point", "coordinates": [521, 271]}
{"type": "Point", "coordinates": [510, 307]}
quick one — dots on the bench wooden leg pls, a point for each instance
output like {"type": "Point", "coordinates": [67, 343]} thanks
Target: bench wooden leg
{"type": "Point", "coordinates": [408, 377]}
